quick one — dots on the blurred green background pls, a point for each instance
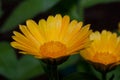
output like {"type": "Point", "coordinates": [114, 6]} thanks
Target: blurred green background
{"type": "Point", "coordinates": [101, 14]}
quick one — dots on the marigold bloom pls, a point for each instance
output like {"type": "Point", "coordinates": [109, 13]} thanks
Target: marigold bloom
{"type": "Point", "coordinates": [52, 38]}
{"type": "Point", "coordinates": [104, 50]}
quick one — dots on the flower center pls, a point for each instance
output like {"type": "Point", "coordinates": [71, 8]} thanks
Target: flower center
{"type": "Point", "coordinates": [105, 58]}
{"type": "Point", "coordinates": [53, 49]}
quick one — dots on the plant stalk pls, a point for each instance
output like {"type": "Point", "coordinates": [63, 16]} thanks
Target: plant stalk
{"type": "Point", "coordinates": [52, 72]}
{"type": "Point", "coordinates": [104, 75]}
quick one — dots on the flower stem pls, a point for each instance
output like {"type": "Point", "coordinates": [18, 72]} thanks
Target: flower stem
{"type": "Point", "coordinates": [52, 72]}
{"type": "Point", "coordinates": [104, 75]}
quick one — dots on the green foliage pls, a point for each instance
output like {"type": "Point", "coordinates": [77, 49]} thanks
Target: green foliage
{"type": "Point", "coordinates": [29, 67]}
{"type": "Point", "coordinates": [75, 13]}
{"type": "Point", "coordinates": [116, 73]}
{"type": "Point", "coordinates": [12, 68]}
{"type": "Point", "coordinates": [8, 61]}
{"type": "Point", "coordinates": [72, 60]}
{"type": "Point", "coordinates": [25, 10]}
{"type": "Point", "coordinates": [86, 68]}
{"type": "Point", "coordinates": [89, 3]}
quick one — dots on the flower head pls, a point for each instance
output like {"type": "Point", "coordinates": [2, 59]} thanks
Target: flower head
{"type": "Point", "coordinates": [52, 38]}
{"type": "Point", "coordinates": [104, 50]}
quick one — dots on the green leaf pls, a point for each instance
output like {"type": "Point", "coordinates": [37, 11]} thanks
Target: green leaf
{"type": "Point", "coordinates": [80, 76]}
{"type": "Point", "coordinates": [27, 9]}
{"type": "Point", "coordinates": [85, 67]}
{"type": "Point", "coordinates": [25, 68]}
{"type": "Point", "coordinates": [29, 67]}
{"type": "Point", "coordinates": [8, 61]}
{"type": "Point", "coordinates": [75, 14]}
{"type": "Point", "coordinates": [89, 3]}
{"type": "Point", "coordinates": [116, 73]}
{"type": "Point", "coordinates": [71, 61]}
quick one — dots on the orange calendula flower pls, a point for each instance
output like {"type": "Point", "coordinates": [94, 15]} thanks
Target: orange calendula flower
{"type": "Point", "coordinates": [52, 38]}
{"type": "Point", "coordinates": [104, 50]}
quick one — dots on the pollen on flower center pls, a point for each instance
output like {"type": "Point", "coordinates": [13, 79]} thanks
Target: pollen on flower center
{"type": "Point", "coordinates": [105, 58]}
{"type": "Point", "coordinates": [53, 49]}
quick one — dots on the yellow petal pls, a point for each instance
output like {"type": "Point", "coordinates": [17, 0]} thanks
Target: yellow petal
{"type": "Point", "coordinates": [65, 23]}
{"type": "Point", "coordinates": [24, 48]}
{"type": "Point", "coordinates": [33, 28]}
{"type": "Point", "coordinates": [30, 36]}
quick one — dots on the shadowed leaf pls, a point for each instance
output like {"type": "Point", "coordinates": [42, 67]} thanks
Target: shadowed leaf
{"type": "Point", "coordinates": [27, 9]}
